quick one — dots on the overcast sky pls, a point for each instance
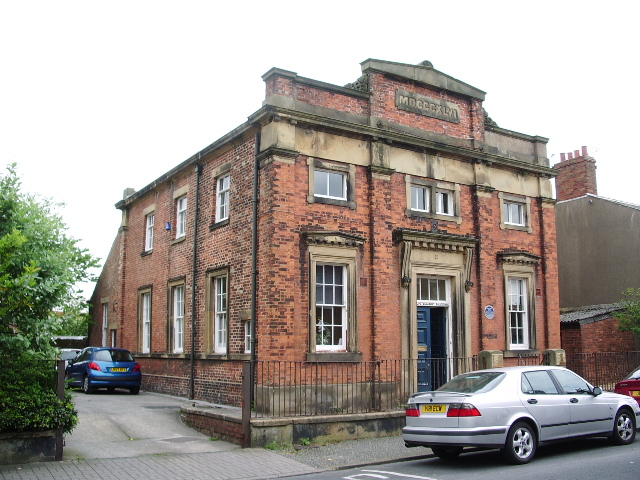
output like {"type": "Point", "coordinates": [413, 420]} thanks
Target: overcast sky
{"type": "Point", "coordinates": [96, 97]}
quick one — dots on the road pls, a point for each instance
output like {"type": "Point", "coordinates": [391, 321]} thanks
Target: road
{"type": "Point", "coordinates": [578, 460]}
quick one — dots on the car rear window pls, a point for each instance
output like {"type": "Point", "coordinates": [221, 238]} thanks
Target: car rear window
{"type": "Point", "coordinates": [476, 382]}
{"type": "Point", "coordinates": [113, 356]}
{"type": "Point", "coordinates": [635, 375]}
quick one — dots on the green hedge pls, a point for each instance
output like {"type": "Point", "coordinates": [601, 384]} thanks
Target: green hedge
{"type": "Point", "coordinates": [28, 400]}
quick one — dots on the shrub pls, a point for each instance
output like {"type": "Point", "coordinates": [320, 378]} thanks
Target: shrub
{"type": "Point", "coordinates": [28, 399]}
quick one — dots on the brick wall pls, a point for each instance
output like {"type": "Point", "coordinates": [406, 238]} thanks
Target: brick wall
{"type": "Point", "coordinates": [594, 337]}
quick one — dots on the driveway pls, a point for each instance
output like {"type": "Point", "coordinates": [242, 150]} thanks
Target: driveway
{"type": "Point", "coordinates": [118, 425]}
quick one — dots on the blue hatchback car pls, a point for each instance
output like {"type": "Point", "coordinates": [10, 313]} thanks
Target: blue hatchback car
{"type": "Point", "coordinates": [104, 367]}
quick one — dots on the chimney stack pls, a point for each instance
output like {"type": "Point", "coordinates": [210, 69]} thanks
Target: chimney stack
{"type": "Point", "coordinates": [577, 175]}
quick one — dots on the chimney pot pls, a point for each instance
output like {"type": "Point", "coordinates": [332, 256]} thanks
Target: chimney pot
{"type": "Point", "coordinates": [584, 151]}
{"type": "Point", "coordinates": [563, 157]}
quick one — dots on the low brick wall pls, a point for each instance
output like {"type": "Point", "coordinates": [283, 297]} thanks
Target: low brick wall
{"type": "Point", "coordinates": [226, 423]}
{"type": "Point", "coordinates": [221, 422]}
{"type": "Point", "coordinates": [27, 447]}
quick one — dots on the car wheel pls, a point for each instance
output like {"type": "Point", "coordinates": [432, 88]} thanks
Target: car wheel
{"type": "Point", "coordinates": [520, 446]}
{"type": "Point", "coordinates": [86, 385]}
{"type": "Point", "coordinates": [447, 453]}
{"type": "Point", "coordinates": [134, 390]}
{"type": "Point", "coordinates": [624, 428]}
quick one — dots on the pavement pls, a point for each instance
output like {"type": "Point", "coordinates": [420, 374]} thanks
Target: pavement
{"type": "Point", "coordinates": [144, 439]}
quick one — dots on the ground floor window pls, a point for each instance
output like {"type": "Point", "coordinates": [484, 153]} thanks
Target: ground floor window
{"type": "Point", "coordinates": [333, 296]}
{"type": "Point", "coordinates": [144, 319]}
{"type": "Point", "coordinates": [176, 312]}
{"type": "Point", "coordinates": [331, 307]}
{"type": "Point", "coordinates": [519, 295]}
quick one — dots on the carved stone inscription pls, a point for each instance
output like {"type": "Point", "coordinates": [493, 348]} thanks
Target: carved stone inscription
{"type": "Point", "coordinates": [428, 106]}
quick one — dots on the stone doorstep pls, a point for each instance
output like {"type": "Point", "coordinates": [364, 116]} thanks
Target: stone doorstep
{"type": "Point", "coordinates": [234, 414]}
{"type": "Point", "coordinates": [316, 419]}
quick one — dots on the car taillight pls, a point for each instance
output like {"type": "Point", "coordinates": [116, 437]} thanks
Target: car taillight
{"type": "Point", "coordinates": [95, 366]}
{"type": "Point", "coordinates": [463, 410]}
{"type": "Point", "coordinates": [412, 411]}
{"type": "Point", "coordinates": [137, 369]}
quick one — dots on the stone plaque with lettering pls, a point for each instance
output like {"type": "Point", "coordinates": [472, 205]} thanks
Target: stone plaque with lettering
{"type": "Point", "coordinates": [428, 106]}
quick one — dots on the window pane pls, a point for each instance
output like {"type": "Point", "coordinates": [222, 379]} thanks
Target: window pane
{"type": "Point", "coordinates": [336, 185]}
{"type": "Point", "coordinates": [419, 198]}
{"type": "Point", "coordinates": [442, 290]}
{"type": "Point", "coordinates": [330, 306]}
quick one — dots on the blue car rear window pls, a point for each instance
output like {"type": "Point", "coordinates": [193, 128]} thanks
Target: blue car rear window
{"type": "Point", "coordinates": [113, 356]}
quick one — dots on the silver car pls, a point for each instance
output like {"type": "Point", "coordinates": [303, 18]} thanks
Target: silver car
{"type": "Point", "coordinates": [515, 409]}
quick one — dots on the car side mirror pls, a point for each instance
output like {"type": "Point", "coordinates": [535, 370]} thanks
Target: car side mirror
{"type": "Point", "coordinates": [597, 391]}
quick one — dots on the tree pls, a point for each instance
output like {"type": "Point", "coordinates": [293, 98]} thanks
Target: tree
{"type": "Point", "coordinates": [39, 268]}
{"type": "Point", "coordinates": [630, 315]}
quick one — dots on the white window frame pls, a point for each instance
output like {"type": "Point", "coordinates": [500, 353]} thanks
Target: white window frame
{"type": "Point", "coordinates": [517, 303]}
{"type": "Point", "coordinates": [514, 209]}
{"type": "Point", "coordinates": [178, 301]}
{"type": "Point", "coordinates": [181, 217]}
{"type": "Point", "coordinates": [320, 171]}
{"type": "Point", "coordinates": [145, 304]}
{"type": "Point", "coordinates": [323, 180]}
{"type": "Point", "coordinates": [443, 199]}
{"type": "Point", "coordinates": [444, 202]}
{"type": "Point", "coordinates": [247, 336]}
{"type": "Point", "coordinates": [148, 240]}
{"type": "Point", "coordinates": [221, 318]}
{"type": "Point", "coordinates": [223, 193]}
{"type": "Point", "coordinates": [420, 194]}
{"type": "Point", "coordinates": [341, 306]}
{"type": "Point", "coordinates": [105, 324]}
{"type": "Point", "coordinates": [506, 219]}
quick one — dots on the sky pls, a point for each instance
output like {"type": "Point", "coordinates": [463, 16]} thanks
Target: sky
{"type": "Point", "coordinates": [96, 97]}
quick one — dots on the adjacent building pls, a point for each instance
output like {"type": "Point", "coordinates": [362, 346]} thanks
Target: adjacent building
{"type": "Point", "coordinates": [597, 243]}
{"type": "Point", "coordinates": [388, 219]}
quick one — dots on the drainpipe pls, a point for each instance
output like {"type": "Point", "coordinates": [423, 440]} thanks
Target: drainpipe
{"type": "Point", "coordinates": [197, 170]}
{"type": "Point", "coordinates": [254, 266]}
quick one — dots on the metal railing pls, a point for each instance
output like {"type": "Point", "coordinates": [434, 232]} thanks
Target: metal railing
{"type": "Point", "coordinates": [603, 369]}
{"type": "Point", "coordinates": [285, 388]}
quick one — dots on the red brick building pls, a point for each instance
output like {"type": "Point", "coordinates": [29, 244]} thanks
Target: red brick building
{"type": "Point", "coordinates": [393, 219]}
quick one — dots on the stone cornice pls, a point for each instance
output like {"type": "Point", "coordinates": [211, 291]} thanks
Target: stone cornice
{"type": "Point", "coordinates": [435, 241]}
{"type": "Point", "coordinates": [333, 238]}
{"type": "Point", "coordinates": [518, 258]}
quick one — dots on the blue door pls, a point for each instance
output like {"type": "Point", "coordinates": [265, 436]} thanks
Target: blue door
{"type": "Point", "coordinates": [432, 348]}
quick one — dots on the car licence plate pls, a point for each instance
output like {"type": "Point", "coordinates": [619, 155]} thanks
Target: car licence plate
{"type": "Point", "coordinates": [635, 393]}
{"type": "Point", "coordinates": [434, 408]}
{"type": "Point", "coordinates": [118, 369]}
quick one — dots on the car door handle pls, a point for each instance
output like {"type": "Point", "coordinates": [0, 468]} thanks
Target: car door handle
{"type": "Point", "coordinates": [574, 400]}
{"type": "Point", "coordinates": [532, 401]}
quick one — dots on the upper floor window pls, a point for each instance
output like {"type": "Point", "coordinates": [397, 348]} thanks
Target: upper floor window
{"type": "Point", "coordinates": [148, 239]}
{"type": "Point", "coordinates": [105, 324]}
{"type": "Point", "coordinates": [420, 198]}
{"type": "Point", "coordinates": [181, 217]}
{"type": "Point", "coordinates": [331, 183]}
{"type": "Point", "coordinates": [222, 198]}
{"type": "Point", "coordinates": [444, 202]}
{"type": "Point", "coordinates": [515, 212]}
{"type": "Point", "coordinates": [432, 199]}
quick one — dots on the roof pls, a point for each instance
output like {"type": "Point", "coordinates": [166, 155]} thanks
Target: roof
{"type": "Point", "coordinates": [589, 314]}
{"type": "Point", "coordinates": [612, 200]}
